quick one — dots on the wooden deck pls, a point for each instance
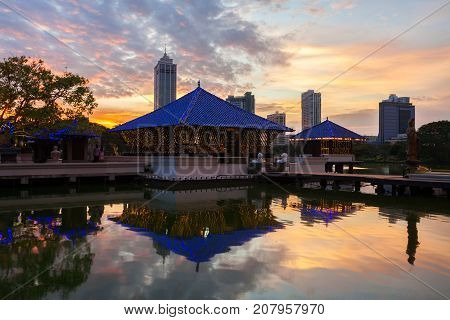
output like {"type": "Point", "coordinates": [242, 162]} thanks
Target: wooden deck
{"type": "Point", "coordinates": [24, 173]}
{"type": "Point", "coordinates": [398, 183]}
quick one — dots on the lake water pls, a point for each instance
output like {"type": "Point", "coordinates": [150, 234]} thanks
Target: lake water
{"type": "Point", "coordinates": [247, 242]}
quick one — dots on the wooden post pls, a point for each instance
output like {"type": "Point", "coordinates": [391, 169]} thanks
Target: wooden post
{"type": "Point", "coordinates": [415, 191]}
{"type": "Point", "coordinates": [448, 192]}
{"type": "Point", "coordinates": [379, 189]}
{"type": "Point", "coordinates": [72, 179]}
{"type": "Point", "coordinates": [350, 168]}
{"type": "Point", "coordinates": [394, 190]}
{"type": "Point", "coordinates": [357, 186]}
{"type": "Point", "coordinates": [336, 184]}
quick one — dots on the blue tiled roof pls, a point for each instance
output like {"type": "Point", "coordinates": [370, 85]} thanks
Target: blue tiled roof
{"type": "Point", "coordinates": [327, 130]}
{"type": "Point", "coordinates": [201, 108]}
{"type": "Point", "coordinates": [72, 130]}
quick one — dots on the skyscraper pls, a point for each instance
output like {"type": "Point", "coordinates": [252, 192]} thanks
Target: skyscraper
{"type": "Point", "coordinates": [280, 118]}
{"type": "Point", "coordinates": [165, 78]}
{"type": "Point", "coordinates": [394, 115]}
{"type": "Point", "coordinates": [311, 109]}
{"type": "Point", "coordinates": [246, 102]}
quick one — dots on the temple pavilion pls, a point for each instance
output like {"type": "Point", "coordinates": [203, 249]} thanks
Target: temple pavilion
{"type": "Point", "coordinates": [199, 135]}
{"type": "Point", "coordinates": [330, 143]}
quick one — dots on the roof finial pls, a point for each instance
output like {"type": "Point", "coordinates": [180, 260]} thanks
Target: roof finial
{"type": "Point", "coordinates": [198, 83]}
{"type": "Point", "coordinates": [165, 49]}
{"type": "Point", "coordinates": [327, 118]}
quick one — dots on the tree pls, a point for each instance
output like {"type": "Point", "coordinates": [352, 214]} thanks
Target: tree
{"type": "Point", "coordinates": [434, 142]}
{"type": "Point", "coordinates": [32, 96]}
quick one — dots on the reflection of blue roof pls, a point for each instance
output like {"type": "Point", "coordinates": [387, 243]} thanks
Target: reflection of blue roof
{"type": "Point", "coordinates": [200, 249]}
{"type": "Point", "coordinates": [201, 108]}
{"type": "Point", "coordinates": [320, 214]}
{"type": "Point", "coordinates": [327, 130]}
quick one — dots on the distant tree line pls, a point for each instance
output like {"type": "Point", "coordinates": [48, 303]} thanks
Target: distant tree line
{"type": "Point", "coordinates": [433, 146]}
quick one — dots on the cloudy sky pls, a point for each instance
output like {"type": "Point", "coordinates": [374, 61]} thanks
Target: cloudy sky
{"type": "Point", "coordinates": [274, 48]}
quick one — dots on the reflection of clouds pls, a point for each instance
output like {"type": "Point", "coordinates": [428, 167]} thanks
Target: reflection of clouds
{"type": "Point", "coordinates": [228, 276]}
{"type": "Point", "coordinates": [319, 262]}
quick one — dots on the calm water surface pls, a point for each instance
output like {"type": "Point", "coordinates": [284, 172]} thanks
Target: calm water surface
{"type": "Point", "coordinates": [253, 242]}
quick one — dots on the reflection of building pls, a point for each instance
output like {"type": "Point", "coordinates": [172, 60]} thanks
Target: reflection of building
{"type": "Point", "coordinates": [165, 82]}
{"type": "Point", "coordinates": [324, 211]}
{"type": "Point", "coordinates": [394, 115]}
{"type": "Point", "coordinates": [197, 229]}
{"type": "Point", "coordinates": [246, 102]}
{"type": "Point", "coordinates": [279, 117]}
{"type": "Point", "coordinates": [37, 245]}
{"type": "Point", "coordinates": [311, 109]}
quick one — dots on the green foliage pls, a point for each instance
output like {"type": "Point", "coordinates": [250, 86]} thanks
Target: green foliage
{"type": "Point", "coordinates": [32, 96]}
{"type": "Point", "coordinates": [380, 152]}
{"type": "Point", "coordinates": [434, 142]}
{"type": "Point", "coordinates": [433, 145]}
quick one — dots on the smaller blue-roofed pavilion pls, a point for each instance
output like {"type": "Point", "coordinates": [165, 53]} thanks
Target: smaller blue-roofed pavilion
{"type": "Point", "coordinates": [200, 123]}
{"type": "Point", "coordinates": [327, 130]}
{"type": "Point", "coordinates": [327, 138]}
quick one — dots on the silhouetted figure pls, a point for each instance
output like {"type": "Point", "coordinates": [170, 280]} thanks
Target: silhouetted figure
{"type": "Point", "coordinates": [96, 153]}
{"type": "Point", "coordinates": [413, 237]}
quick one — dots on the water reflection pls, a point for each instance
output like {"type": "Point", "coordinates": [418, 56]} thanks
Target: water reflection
{"type": "Point", "coordinates": [228, 243]}
{"type": "Point", "coordinates": [413, 237]}
{"type": "Point", "coordinates": [200, 234]}
{"type": "Point", "coordinates": [48, 243]}
{"type": "Point", "coordinates": [324, 210]}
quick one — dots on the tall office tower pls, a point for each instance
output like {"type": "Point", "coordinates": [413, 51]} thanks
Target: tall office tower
{"type": "Point", "coordinates": [311, 109]}
{"type": "Point", "coordinates": [280, 118]}
{"type": "Point", "coordinates": [394, 115]}
{"type": "Point", "coordinates": [165, 78]}
{"type": "Point", "coordinates": [246, 102]}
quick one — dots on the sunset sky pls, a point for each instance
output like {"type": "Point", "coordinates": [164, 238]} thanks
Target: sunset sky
{"type": "Point", "coordinates": [274, 48]}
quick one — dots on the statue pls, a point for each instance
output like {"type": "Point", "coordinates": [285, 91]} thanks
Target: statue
{"type": "Point", "coordinates": [55, 155]}
{"type": "Point", "coordinates": [412, 143]}
{"type": "Point", "coordinates": [115, 149]}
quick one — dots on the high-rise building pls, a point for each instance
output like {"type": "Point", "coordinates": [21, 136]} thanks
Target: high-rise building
{"type": "Point", "coordinates": [280, 118]}
{"type": "Point", "coordinates": [165, 78]}
{"type": "Point", "coordinates": [246, 102]}
{"type": "Point", "coordinates": [394, 115]}
{"type": "Point", "coordinates": [277, 117]}
{"type": "Point", "coordinates": [311, 109]}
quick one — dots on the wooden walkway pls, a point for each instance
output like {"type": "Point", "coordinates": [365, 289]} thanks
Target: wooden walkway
{"type": "Point", "coordinates": [69, 171]}
{"type": "Point", "coordinates": [398, 183]}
